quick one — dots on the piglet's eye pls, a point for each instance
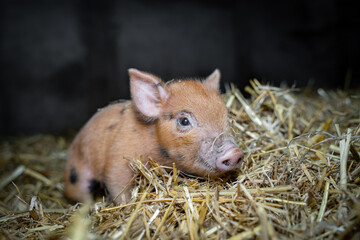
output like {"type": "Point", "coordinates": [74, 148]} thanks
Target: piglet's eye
{"type": "Point", "coordinates": [184, 121]}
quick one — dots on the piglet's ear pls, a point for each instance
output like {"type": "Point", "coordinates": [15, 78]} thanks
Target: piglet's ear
{"type": "Point", "coordinates": [148, 93]}
{"type": "Point", "coordinates": [213, 81]}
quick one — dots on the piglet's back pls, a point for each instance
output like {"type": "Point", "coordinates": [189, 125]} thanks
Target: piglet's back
{"type": "Point", "coordinates": [90, 150]}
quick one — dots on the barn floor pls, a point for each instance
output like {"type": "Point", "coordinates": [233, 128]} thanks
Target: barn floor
{"type": "Point", "coordinates": [300, 179]}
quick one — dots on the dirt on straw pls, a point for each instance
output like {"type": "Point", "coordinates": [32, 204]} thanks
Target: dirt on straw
{"type": "Point", "coordinates": [300, 179]}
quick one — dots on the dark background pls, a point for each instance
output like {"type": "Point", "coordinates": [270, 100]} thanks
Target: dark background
{"type": "Point", "coordinates": [60, 60]}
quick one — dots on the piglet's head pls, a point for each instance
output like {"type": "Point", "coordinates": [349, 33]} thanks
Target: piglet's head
{"type": "Point", "coordinates": [190, 120]}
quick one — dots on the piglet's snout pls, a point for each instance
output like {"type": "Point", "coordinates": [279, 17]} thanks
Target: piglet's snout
{"type": "Point", "coordinates": [229, 159]}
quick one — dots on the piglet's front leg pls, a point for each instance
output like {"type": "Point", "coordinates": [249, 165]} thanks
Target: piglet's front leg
{"type": "Point", "coordinates": [118, 176]}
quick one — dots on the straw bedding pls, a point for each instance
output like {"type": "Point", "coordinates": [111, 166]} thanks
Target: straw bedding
{"type": "Point", "coordinates": [299, 180]}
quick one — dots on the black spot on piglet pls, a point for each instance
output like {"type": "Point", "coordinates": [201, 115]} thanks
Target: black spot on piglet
{"type": "Point", "coordinates": [123, 110]}
{"type": "Point", "coordinates": [180, 157]}
{"type": "Point", "coordinates": [73, 175]}
{"type": "Point", "coordinates": [97, 188]}
{"type": "Point", "coordinates": [164, 152]}
{"type": "Point", "coordinates": [168, 116]}
{"type": "Point", "coordinates": [110, 127]}
{"type": "Point", "coordinates": [94, 186]}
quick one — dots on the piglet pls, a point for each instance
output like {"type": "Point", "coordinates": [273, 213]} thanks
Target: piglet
{"type": "Point", "coordinates": [183, 122]}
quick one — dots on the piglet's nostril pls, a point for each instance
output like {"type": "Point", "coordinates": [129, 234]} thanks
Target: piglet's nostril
{"type": "Point", "coordinates": [226, 162]}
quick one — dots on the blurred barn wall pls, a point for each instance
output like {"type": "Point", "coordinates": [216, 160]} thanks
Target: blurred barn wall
{"type": "Point", "coordinates": [60, 60]}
